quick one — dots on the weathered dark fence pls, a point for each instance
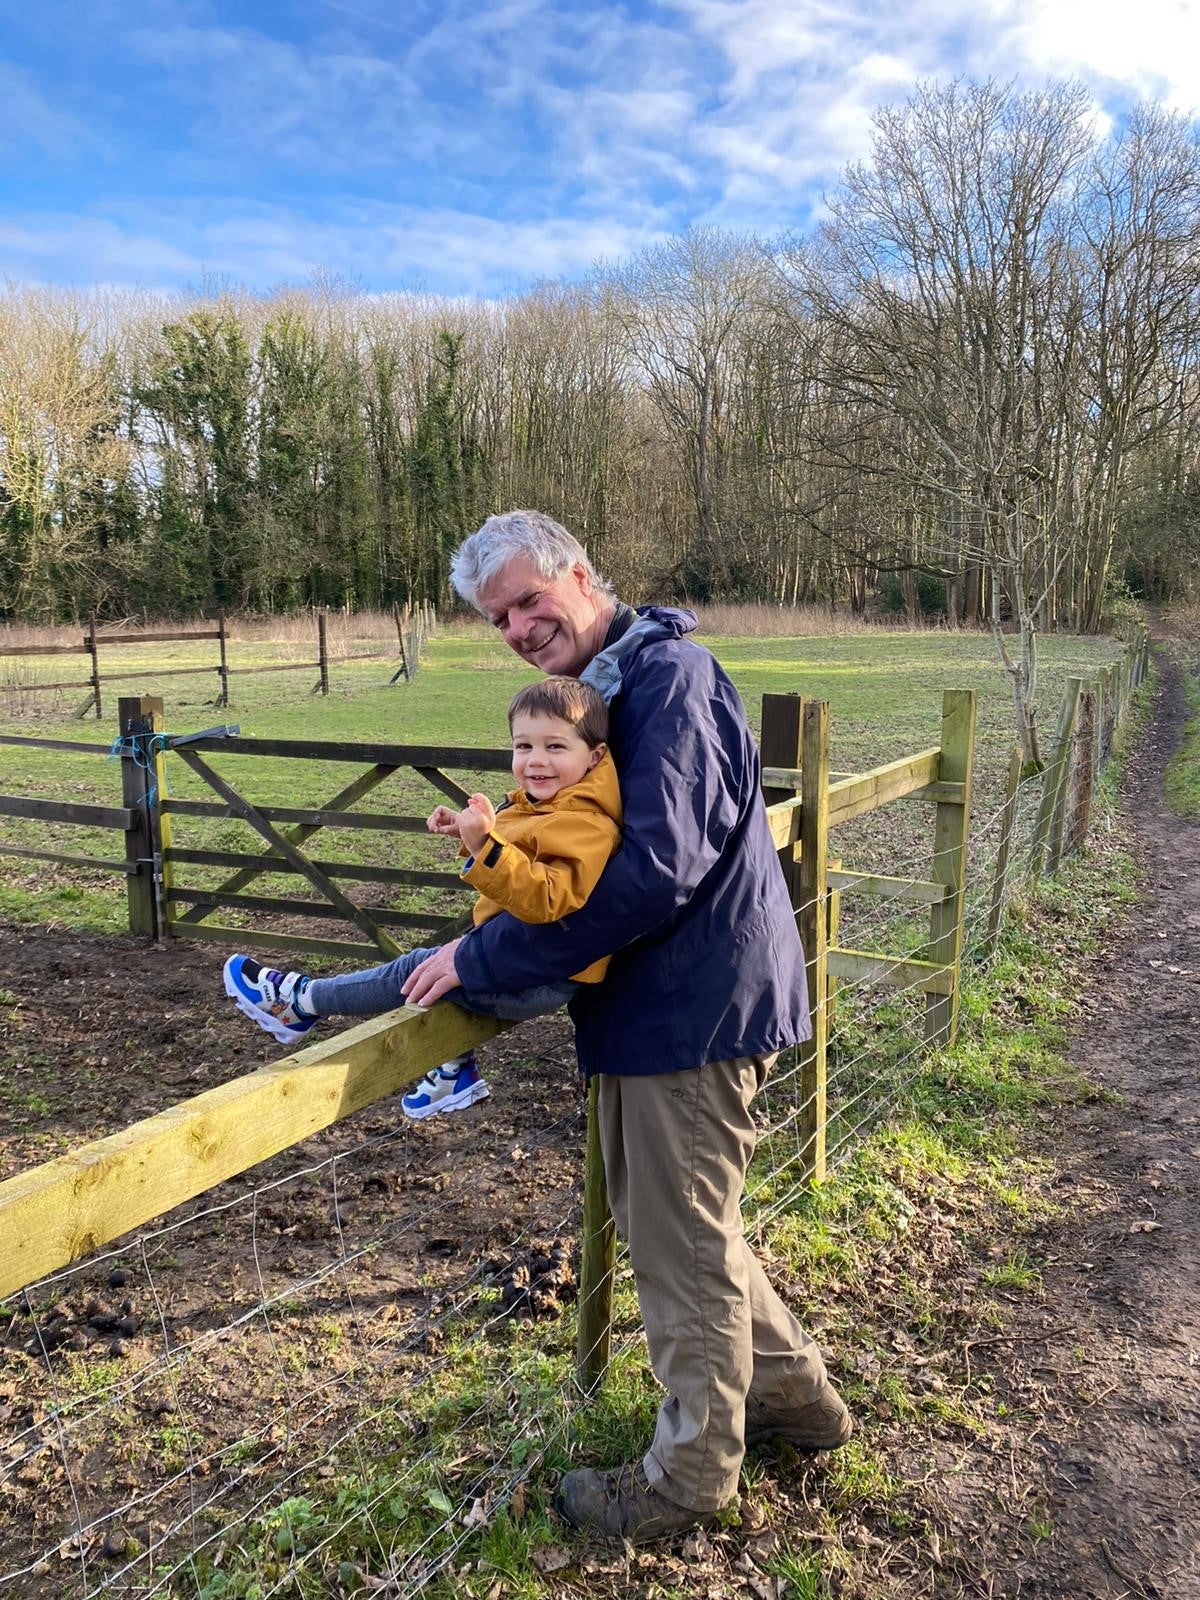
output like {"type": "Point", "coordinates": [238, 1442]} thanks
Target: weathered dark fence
{"type": "Point", "coordinates": [413, 627]}
{"type": "Point", "coordinates": [58, 1212]}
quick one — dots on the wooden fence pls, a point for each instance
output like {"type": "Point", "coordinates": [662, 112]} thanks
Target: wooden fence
{"type": "Point", "coordinates": [413, 626]}
{"type": "Point", "coordinates": [56, 1213]}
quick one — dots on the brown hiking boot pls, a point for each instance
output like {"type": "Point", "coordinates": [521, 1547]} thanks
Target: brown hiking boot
{"type": "Point", "coordinates": [823, 1424]}
{"type": "Point", "coordinates": [623, 1505]}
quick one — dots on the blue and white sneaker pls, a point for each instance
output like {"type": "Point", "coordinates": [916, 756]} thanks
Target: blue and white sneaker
{"type": "Point", "coordinates": [269, 997]}
{"type": "Point", "coordinates": [451, 1086]}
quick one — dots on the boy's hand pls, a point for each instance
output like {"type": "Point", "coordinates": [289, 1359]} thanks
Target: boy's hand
{"type": "Point", "coordinates": [443, 820]}
{"type": "Point", "coordinates": [476, 822]}
{"type": "Point", "coordinates": [472, 825]}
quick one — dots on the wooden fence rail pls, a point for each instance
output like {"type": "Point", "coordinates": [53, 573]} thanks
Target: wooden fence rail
{"type": "Point", "coordinates": [413, 627]}
{"type": "Point", "coordinates": [55, 1214]}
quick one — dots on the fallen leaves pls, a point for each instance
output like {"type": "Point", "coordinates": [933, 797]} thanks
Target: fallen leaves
{"type": "Point", "coordinates": [548, 1558]}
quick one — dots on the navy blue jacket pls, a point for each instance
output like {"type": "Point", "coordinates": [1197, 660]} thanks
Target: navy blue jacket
{"type": "Point", "coordinates": [706, 957]}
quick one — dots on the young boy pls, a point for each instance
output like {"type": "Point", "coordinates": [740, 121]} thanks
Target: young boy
{"type": "Point", "coordinates": [538, 856]}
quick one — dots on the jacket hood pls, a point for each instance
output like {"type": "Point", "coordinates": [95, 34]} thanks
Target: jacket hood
{"type": "Point", "coordinates": [651, 625]}
{"type": "Point", "coordinates": [676, 620]}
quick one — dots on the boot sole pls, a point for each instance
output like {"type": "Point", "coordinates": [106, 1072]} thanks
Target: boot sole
{"type": "Point", "coordinates": [806, 1446]}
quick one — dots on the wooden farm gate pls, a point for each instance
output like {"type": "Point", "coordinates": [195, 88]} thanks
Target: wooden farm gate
{"type": "Point", "coordinates": [285, 831]}
{"type": "Point", "coordinates": [56, 1213]}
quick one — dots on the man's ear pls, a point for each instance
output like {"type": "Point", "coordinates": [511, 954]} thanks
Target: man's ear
{"type": "Point", "coordinates": [582, 577]}
{"type": "Point", "coordinates": [597, 756]}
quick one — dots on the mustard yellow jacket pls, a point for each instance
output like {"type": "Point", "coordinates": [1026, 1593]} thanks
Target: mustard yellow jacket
{"type": "Point", "coordinates": [544, 857]}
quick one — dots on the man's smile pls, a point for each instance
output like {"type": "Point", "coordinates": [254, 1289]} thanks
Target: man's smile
{"type": "Point", "coordinates": [532, 649]}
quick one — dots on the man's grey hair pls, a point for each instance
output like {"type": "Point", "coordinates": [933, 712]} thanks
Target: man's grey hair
{"type": "Point", "coordinates": [546, 544]}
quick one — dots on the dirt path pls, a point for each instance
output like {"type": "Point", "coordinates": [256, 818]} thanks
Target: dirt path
{"type": "Point", "coordinates": [1104, 1457]}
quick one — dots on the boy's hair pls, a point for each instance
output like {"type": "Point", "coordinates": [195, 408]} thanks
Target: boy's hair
{"type": "Point", "coordinates": [569, 701]}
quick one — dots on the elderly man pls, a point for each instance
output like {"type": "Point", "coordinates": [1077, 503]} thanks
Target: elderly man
{"type": "Point", "coordinates": [706, 985]}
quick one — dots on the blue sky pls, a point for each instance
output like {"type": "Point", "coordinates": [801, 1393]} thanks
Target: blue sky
{"type": "Point", "coordinates": [474, 146]}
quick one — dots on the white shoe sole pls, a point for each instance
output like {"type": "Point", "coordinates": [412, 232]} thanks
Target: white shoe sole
{"type": "Point", "coordinates": [452, 1102]}
{"type": "Point", "coordinates": [268, 1023]}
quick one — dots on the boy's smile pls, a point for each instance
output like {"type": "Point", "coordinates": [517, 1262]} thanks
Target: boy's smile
{"type": "Point", "coordinates": [549, 755]}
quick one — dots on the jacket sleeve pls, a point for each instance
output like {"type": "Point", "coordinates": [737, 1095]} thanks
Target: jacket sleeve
{"type": "Point", "coordinates": [689, 773]}
{"type": "Point", "coordinates": [572, 847]}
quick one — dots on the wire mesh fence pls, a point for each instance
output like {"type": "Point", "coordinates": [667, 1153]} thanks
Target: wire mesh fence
{"type": "Point", "coordinates": [310, 1365]}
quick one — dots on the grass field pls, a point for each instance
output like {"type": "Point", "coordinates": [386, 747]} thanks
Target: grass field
{"type": "Point", "coordinates": [913, 1253]}
{"type": "Point", "coordinates": [884, 689]}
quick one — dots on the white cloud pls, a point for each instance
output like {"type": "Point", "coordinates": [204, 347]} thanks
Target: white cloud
{"type": "Point", "coordinates": [28, 118]}
{"type": "Point", "coordinates": [271, 98]}
{"type": "Point", "coordinates": [1152, 51]}
{"type": "Point", "coordinates": [388, 247]}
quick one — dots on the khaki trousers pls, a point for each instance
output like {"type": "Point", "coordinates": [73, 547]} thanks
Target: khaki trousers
{"type": "Point", "coordinates": [676, 1147]}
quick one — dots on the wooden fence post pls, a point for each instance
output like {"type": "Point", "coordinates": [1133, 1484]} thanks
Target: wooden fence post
{"type": "Point", "coordinates": [1008, 821]}
{"type": "Point", "coordinates": [1082, 782]}
{"type": "Point", "coordinates": [1052, 776]}
{"type": "Point", "coordinates": [1062, 787]}
{"type": "Point", "coordinates": [323, 651]}
{"type": "Point", "coordinates": [779, 745]}
{"type": "Point", "coordinates": [137, 718]}
{"type": "Point", "coordinates": [597, 1258]}
{"type": "Point", "coordinates": [223, 669]}
{"type": "Point", "coordinates": [160, 834]}
{"type": "Point", "coordinates": [94, 652]}
{"type": "Point", "coordinates": [950, 860]}
{"type": "Point", "coordinates": [813, 887]}
{"type": "Point", "coordinates": [1110, 711]}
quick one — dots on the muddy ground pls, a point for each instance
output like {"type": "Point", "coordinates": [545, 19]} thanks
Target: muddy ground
{"type": "Point", "coordinates": [302, 1294]}
{"type": "Point", "coordinates": [1084, 1485]}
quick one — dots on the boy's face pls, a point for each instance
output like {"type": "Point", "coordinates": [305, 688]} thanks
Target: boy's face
{"type": "Point", "coordinates": [549, 755]}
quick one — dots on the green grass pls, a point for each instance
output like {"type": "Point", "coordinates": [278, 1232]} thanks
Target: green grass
{"type": "Point", "coordinates": [919, 1238]}
{"type": "Point", "coordinates": [1181, 781]}
{"type": "Point", "coordinates": [885, 691]}
{"type": "Point", "coordinates": [916, 1244]}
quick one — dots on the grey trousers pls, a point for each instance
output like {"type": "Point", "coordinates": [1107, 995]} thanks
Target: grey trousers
{"type": "Point", "coordinates": [676, 1148]}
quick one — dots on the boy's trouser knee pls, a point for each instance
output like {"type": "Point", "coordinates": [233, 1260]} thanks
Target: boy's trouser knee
{"type": "Point", "coordinates": [676, 1147]}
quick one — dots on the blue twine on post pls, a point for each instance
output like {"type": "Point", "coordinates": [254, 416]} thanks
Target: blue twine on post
{"type": "Point", "coordinates": [141, 748]}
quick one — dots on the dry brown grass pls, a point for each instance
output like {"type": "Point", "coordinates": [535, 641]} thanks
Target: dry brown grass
{"type": "Point", "coordinates": [758, 621]}
{"type": "Point", "coordinates": [1182, 620]}
{"type": "Point", "coordinates": [347, 632]}
{"type": "Point", "coordinates": [351, 633]}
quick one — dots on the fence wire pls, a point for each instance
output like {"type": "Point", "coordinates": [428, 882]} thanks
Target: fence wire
{"type": "Point", "coordinates": [259, 1410]}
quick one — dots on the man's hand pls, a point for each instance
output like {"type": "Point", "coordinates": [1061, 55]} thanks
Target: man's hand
{"type": "Point", "coordinates": [435, 977]}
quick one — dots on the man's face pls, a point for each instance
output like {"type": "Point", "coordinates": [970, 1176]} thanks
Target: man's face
{"type": "Point", "coordinates": [553, 623]}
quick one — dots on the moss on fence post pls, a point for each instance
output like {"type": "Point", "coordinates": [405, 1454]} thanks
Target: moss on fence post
{"type": "Point", "coordinates": [138, 717]}
{"type": "Point", "coordinates": [593, 1342]}
{"type": "Point", "coordinates": [950, 859]}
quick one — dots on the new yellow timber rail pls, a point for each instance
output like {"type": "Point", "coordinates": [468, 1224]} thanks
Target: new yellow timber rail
{"type": "Point", "coordinates": [57, 1213]}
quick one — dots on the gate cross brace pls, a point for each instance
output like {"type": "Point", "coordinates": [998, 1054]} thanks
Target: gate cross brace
{"type": "Point", "coordinates": [284, 847]}
{"type": "Point", "coordinates": [341, 801]}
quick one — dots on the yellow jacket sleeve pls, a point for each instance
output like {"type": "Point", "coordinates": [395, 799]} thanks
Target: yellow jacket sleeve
{"type": "Point", "coordinates": [571, 850]}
